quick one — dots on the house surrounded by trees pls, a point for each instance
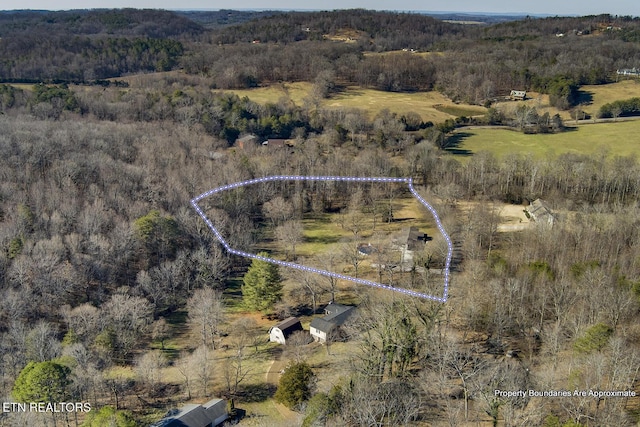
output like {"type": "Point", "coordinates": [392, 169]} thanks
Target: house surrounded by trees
{"type": "Point", "coordinates": [336, 316]}
{"type": "Point", "coordinates": [540, 212]}
{"type": "Point", "coordinates": [210, 414]}
{"type": "Point", "coordinates": [409, 241]}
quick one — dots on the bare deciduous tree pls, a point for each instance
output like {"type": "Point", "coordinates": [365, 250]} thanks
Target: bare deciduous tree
{"type": "Point", "coordinates": [148, 368]}
{"type": "Point", "coordinates": [289, 233]}
{"type": "Point", "coordinates": [206, 313]}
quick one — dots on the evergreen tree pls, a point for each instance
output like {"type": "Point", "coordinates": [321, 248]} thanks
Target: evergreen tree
{"type": "Point", "coordinates": [108, 416]}
{"type": "Point", "coordinates": [42, 382]}
{"type": "Point", "coordinates": [262, 286]}
{"type": "Point", "coordinates": [295, 385]}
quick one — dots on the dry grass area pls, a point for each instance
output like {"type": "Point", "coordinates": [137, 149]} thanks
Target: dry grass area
{"type": "Point", "coordinates": [534, 99]}
{"type": "Point", "coordinates": [346, 35]}
{"type": "Point", "coordinates": [431, 106]}
{"type": "Point", "coordinates": [512, 217]}
{"type": "Point", "coordinates": [288, 92]}
{"type": "Point", "coordinates": [428, 105]}
{"type": "Point", "coordinates": [592, 98]}
{"type": "Point", "coordinates": [604, 94]}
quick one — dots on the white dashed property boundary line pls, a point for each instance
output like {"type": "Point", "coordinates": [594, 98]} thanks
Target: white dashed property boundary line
{"type": "Point", "coordinates": [408, 181]}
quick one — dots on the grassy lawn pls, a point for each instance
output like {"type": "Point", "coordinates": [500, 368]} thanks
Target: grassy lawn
{"type": "Point", "coordinates": [178, 327]}
{"type": "Point", "coordinates": [431, 106]}
{"type": "Point", "coordinates": [296, 92]}
{"type": "Point", "coordinates": [22, 86]}
{"type": "Point", "coordinates": [232, 295]}
{"type": "Point", "coordinates": [458, 111]}
{"type": "Point", "coordinates": [598, 95]}
{"type": "Point", "coordinates": [592, 97]}
{"type": "Point", "coordinates": [617, 138]}
{"type": "Point", "coordinates": [321, 234]}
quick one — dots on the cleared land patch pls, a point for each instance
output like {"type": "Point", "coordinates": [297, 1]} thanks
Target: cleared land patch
{"type": "Point", "coordinates": [431, 106]}
{"type": "Point", "coordinates": [411, 240]}
{"type": "Point", "coordinates": [605, 94]}
{"type": "Point", "coordinates": [616, 138]}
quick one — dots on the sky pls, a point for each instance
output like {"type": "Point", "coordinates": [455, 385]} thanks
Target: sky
{"type": "Point", "coordinates": [550, 7]}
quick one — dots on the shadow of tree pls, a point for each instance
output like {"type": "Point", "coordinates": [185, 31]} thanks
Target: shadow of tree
{"type": "Point", "coordinates": [322, 239]}
{"type": "Point", "coordinates": [454, 141]}
{"type": "Point", "coordinates": [256, 392]}
{"type": "Point", "coordinates": [584, 97]}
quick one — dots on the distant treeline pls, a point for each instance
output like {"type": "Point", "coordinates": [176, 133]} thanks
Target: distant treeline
{"type": "Point", "coordinates": [81, 46]}
{"type": "Point", "coordinates": [468, 63]}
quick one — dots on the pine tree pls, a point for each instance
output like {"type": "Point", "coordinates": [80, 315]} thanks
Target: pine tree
{"type": "Point", "coordinates": [42, 382]}
{"type": "Point", "coordinates": [262, 286]}
{"type": "Point", "coordinates": [295, 385]}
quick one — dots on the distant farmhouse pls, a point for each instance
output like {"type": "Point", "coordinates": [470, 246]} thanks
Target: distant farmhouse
{"type": "Point", "coordinates": [541, 213]}
{"type": "Point", "coordinates": [518, 95]}
{"type": "Point", "coordinates": [211, 414]}
{"type": "Point", "coordinates": [283, 330]}
{"type": "Point", "coordinates": [630, 72]}
{"type": "Point", "coordinates": [335, 316]}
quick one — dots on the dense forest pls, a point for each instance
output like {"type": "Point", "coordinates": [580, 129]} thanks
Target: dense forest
{"type": "Point", "coordinates": [550, 55]}
{"type": "Point", "coordinates": [109, 280]}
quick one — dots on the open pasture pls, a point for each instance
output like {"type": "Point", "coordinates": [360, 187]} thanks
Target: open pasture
{"type": "Point", "coordinates": [431, 106]}
{"type": "Point", "coordinates": [619, 138]}
{"type": "Point", "coordinates": [596, 96]}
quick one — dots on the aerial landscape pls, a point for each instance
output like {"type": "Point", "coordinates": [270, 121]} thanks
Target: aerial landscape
{"type": "Point", "coordinates": [349, 217]}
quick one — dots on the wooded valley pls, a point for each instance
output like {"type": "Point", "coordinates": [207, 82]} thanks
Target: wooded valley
{"type": "Point", "coordinates": [115, 291]}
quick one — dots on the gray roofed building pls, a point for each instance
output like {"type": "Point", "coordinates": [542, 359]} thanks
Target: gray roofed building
{"type": "Point", "coordinates": [541, 213]}
{"type": "Point", "coordinates": [336, 315]}
{"type": "Point", "coordinates": [211, 414]}
{"type": "Point", "coordinates": [412, 238]}
{"type": "Point", "coordinates": [409, 241]}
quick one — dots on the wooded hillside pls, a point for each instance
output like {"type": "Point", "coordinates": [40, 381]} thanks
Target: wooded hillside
{"type": "Point", "coordinates": [114, 291]}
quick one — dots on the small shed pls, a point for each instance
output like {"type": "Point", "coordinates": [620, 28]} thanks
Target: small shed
{"type": "Point", "coordinates": [280, 332]}
{"type": "Point", "coordinates": [335, 316]}
{"type": "Point", "coordinates": [518, 95]}
{"type": "Point", "coordinates": [246, 140]}
{"type": "Point", "coordinates": [365, 249]}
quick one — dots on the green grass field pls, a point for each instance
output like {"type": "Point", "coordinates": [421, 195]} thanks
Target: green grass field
{"type": "Point", "coordinates": [620, 138]}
